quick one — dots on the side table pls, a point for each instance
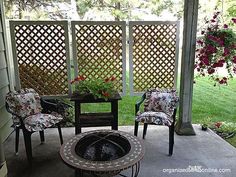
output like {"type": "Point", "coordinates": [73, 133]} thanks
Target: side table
{"type": "Point", "coordinates": [95, 119]}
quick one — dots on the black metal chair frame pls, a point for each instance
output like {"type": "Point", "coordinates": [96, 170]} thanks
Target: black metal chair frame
{"type": "Point", "coordinates": [27, 134]}
{"type": "Point", "coordinates": [171, 128]}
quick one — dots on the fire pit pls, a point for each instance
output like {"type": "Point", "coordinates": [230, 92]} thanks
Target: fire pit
{"type": "Point", "coordinates": [103, 153]}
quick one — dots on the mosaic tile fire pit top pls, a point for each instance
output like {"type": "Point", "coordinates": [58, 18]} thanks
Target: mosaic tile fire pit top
{"type": "Point", "coordinates": [103, 152]}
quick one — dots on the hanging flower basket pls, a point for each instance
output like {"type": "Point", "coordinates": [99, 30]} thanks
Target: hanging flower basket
{"type": "Point", "coordinates": [216, 51]}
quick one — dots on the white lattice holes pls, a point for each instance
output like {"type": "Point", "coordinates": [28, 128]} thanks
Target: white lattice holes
{"type": "Point", "coordinates": [100, 50]}
{"type": "Point", "coordinates": [153, 55]}
{"type": "Point", "coordinates": [41, 54]}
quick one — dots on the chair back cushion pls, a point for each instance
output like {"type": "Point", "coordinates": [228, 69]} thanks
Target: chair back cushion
{"type": "Point", "coordinates": [24, 102]}
{"type": "Point", "coordinates": [161, 100]}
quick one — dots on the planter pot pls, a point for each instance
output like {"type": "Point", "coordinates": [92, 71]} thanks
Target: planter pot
{"type": "Point", "coordinates": [204, 128]}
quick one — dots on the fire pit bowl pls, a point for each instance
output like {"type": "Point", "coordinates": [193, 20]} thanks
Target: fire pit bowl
{"type": "Point", "coordinates": [103, 153]}
{"type": "Point", "coordinates": [102, 146]}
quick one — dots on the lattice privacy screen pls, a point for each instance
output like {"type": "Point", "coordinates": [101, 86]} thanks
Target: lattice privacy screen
{"type": "Point", "coordinates": [41, 55]}
{"type": "Point", "coordinates": [99, 50]}
{"type": "Point", "coordinates": [153, 55]}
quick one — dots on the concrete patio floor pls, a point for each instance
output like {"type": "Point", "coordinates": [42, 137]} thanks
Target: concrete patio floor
{"type": "Point", "coordinates": [206, 151]}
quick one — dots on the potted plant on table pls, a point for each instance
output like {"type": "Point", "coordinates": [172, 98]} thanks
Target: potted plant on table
{"type": "Point", "coordinates": [95, 87]}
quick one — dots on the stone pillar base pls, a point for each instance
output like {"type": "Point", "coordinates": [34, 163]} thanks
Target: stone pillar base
{"type": "Point", "coordinates": [184, 128]}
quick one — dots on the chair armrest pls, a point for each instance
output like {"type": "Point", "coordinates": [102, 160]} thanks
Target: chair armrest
{"type": "Point", "coordinates": [8, 110]}
{"type": "Point", "coordinates": [54, 105]}
{"type": "Point", "coordinates": [138, 104]}
{"type": "Point", "coordinates": [14, 114]}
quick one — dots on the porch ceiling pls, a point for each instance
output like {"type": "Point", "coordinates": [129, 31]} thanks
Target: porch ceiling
{"type": "Point", "coordinates": [206, 150]}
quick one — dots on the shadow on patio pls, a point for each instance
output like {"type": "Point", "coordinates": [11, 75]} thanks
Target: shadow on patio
{"type": "Point", "coordinates": [206, 150]}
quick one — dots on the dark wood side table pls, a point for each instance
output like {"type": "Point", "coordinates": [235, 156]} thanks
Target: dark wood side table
{"type": "Point", "coordinates": [95, 119]}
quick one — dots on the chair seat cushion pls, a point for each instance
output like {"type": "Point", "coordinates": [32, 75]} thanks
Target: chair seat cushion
{"type": "Point", "coordinates": [38, 122]}
{"type": "Point", "coordinates": [158, 118]}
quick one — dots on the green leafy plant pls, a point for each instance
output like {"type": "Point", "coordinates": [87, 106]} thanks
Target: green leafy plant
{"type": "Point", "coordinates": [99, 88]}
{"type": "Point", "coordinates": [205, 123]}
{"type": "Point", "coordinates": [227, 127]}
{"type": "Point", "coordinates": [225, 130]}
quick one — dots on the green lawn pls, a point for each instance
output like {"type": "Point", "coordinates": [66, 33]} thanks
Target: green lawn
{"type": "Point", "coordinates": [218, 103]}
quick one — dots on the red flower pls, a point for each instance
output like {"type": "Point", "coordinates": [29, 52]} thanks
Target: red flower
{"type": "Point", "coordinates": [107, 80]}
{"type": "Point", "coordinates": [211, 70]}
{"type": "Point", "coordinates": [205, 61]}
{"type": "Point", "coordinates": [211, 49]}
{"type": "Point", "coordinates": [234, 70]}
{"type": "Point", "coordinates": [213, 20]}
{"type": "Point", "coordinates": [199, 42]}
{"type": "Point", "coordinates": [226, 52]}
{"type": "Point", "coordinates": [225, 26]}
{"type": "Point", "coordinates": [223, 81]}
{"type": "Point", "coordinates": [82, 78]}
{"type": "Point", "coordinates": [234, 20]}
{"type": "Point", "coordinates": [234, 59]}
{"type": "Point", "coordinates": [105, 94]}
{"type": "Point", "coordinates": [79, 78]}
{"type": "Point", "coordinates": [218, 124]}
{"type": "Point", "coordinates": [113, 78]}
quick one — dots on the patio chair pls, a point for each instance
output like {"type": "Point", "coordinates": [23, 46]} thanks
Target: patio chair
{"type": "Point", "coordinates": [160, 107]}
{"type": "Point", "coordinates": [26, 110]}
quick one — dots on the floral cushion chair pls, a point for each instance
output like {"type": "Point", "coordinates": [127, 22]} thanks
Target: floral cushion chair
{"type": "Point", "coordinates": [26, 110]}
{"type": "Point", "coordinates": [160, 109]}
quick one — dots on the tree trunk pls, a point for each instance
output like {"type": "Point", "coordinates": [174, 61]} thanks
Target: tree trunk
{"type": "Point", "coordinates": [117, 7]}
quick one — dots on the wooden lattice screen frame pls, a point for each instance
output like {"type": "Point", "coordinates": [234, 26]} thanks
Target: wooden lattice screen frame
{"type": "Point", "coordinates": [99, 50]}
{"type": "Point", "coordinates": [41, 56]}
{"type": "Point", "coordinates": [153, 55]}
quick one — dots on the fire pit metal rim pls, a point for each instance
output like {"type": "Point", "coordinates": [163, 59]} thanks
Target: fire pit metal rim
{"type": "Point", "coordinates": [70, 157]}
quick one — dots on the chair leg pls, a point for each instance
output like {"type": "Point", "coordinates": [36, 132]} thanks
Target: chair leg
{"type": "Point", "coordinates": [28, 147]}
{"type": "Point", "coordinates": [171, 139]}
{"type": "Point", "coordinates": [41, 133]}
{"type": "Point", "coordinates": [145, 130]}
{"type": "Point", "coordinates": [17, 129]}
{"type": "Point", "coordinates": [136, 128]}
{"type": "Point", "coordinates": [60, 133]}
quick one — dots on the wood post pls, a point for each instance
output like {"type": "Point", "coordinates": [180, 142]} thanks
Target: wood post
{"type": "Point", "coordinates": [184, 126]}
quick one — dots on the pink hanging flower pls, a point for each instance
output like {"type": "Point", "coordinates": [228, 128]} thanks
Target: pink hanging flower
{"type": "Point", "coordinates": [211, 70]}
{"type": "Point", "coordinates": [216, 50]}
{"type": "Point", "coordinates": [234, 59]}
{"type": "Point", "coordinates": [234, 20]}
{"type": "Point", "coordinates": [226, 52]}
{"type": "Point", "coordinates": [213, 20]}
{"type": "Point", "coordinates": [199, 42]}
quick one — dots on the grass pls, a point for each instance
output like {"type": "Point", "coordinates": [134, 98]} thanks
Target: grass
{"type": "Point", "coordinates": [217, 103]}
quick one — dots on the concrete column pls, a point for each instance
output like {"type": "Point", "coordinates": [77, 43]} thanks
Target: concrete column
{"type": "Point", "coordinates": [184, 126]}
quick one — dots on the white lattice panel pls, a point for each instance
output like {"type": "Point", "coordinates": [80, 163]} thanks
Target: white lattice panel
{"type": "Point", "coordinates": [41, 55]}
{"type": "Point", "coordinates": [99, 50]}
{"type": "Point", "coordinates": [153, 55]}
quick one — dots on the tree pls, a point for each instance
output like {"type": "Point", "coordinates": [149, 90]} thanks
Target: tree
{"type": "Point", "coordinates": [24, 8]}
{"type": "Point", "coordinates": [119, 9]}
